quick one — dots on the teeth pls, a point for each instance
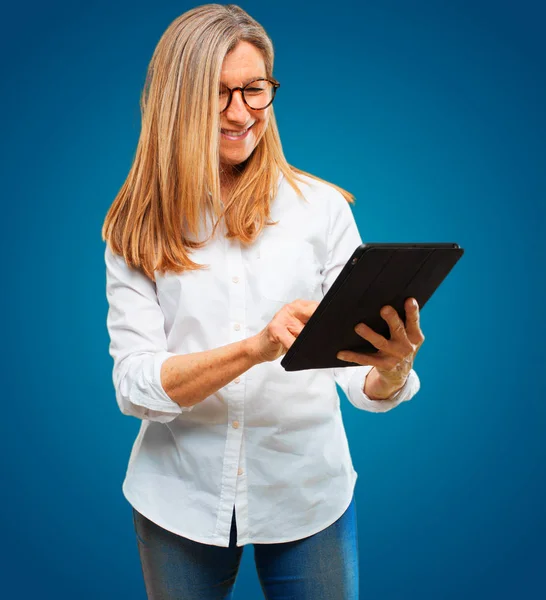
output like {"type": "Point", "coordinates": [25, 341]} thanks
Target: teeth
{"type": "Point", "coordinates": [235, 133]}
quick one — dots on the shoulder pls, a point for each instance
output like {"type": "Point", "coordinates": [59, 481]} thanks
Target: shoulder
{"type": "Point", "coordinates": [319, 190]}
{"type": "Point", "coordinates": [316, 185]}
{"type": "Point", "coordinates": [113, 259]}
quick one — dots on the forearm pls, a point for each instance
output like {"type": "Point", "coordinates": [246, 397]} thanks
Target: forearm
{"type": "Point", "coordinates": [376, 388]}
{"type": "Point", "coordinates": [190, 378]}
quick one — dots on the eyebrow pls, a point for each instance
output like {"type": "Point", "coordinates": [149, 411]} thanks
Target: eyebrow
{"type": "Point", "coordinates": [247, 80]}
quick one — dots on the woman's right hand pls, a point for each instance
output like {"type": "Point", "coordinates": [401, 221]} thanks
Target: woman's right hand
{"type": "Point", "coordinates": [280, 333]}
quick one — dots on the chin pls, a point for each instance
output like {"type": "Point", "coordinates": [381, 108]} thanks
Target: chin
{"type": "Point", "coordinates": [234, 160]}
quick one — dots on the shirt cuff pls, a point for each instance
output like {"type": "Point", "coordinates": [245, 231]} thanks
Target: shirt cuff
{"type": "Point", "coordinates": [364, 402]}
{"type": "Point", "coordinates": [149, 393]}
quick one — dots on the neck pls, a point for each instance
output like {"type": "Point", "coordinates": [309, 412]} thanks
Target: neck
{"type": "Point", "coordinates": [228, 173]}
{"type": "Point", "coordinates": [228, 178]}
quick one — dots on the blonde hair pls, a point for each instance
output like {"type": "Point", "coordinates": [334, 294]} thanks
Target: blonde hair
{"type": "Point", "coordinates": [175, 175]}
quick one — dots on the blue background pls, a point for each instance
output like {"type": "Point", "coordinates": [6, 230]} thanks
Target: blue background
{"type": "Point", "coordinates": [433, 115]}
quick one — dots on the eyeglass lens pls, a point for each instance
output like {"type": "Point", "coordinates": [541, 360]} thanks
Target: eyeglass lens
{"type": "Point", "coordinates": [257, 94]}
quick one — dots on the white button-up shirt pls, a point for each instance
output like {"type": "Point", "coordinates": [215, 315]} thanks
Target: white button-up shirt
{"type": "Point", "coordinates": [271, 443]}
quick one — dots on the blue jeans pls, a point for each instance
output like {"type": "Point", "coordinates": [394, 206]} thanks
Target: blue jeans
{"type": "Point", "coordinates": [323, 566]}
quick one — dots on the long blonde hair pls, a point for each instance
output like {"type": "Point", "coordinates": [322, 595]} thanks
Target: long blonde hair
{"type": "Point", "coordinates": [175, 176]}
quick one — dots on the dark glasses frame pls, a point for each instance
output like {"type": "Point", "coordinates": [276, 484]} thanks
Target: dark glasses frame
{"type": "Point", "coordinates": [275, 83]}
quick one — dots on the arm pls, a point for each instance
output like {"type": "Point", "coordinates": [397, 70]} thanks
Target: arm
{"type": "Point", "coordinates": [190, 378]}
{"type": "Point", "coordinates": [150, 382]}
{"type": "Point", "coordinates": [343, 237]}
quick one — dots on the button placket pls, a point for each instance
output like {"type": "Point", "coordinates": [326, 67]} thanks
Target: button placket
{"type": "Point", "coordinates": [241, 496]}
{"type": "Point", "coordinates": [234, 393]}
{"type": "Point", "coordinates": [237, 316]}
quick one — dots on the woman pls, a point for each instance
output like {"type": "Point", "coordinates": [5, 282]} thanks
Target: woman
{"type": "Point", "coordinates": [205, 297]}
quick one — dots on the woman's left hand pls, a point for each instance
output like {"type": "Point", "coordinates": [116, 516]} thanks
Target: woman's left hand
{"type": "Point", "coordinates": [394, 359]}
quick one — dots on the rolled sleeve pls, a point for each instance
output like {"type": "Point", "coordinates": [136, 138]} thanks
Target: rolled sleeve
{"type": "Point", "coordinates": [138, 343]}
{"type": "Point", "coordinates": [358, 398]}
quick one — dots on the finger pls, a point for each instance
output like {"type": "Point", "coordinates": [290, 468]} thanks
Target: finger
{"type": "Point", "coordinates": [287, 339]}
{"type": "Point", "coordinates": [302, 309]}
{"type": "Point", "coordinates": [398, 348]}
{"type": "Point", "coordinates": [295, 327]}
{"type": "Point", "coordinates": [282, 334]}
{"type": "Point", "coordinates": [413, 328]}
{"type": "Point", "coordinates": [380, 342]}
{"type": "Point", "coordinates": [367, 359]}
{"type": "Point", "coordinates": [396, 327]}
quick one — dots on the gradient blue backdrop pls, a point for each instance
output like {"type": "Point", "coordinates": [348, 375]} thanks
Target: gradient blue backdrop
{"type": "Point", "coordinates": [433, 115]}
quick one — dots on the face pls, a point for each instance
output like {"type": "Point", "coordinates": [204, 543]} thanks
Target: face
{"type": "Point", "coordinates": [243, 64]}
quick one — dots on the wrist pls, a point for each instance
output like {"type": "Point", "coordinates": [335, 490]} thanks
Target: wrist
{"type": "Point", "coordinates": [377, 387]}
{"type": "Point", "coordinates": [251, 348]}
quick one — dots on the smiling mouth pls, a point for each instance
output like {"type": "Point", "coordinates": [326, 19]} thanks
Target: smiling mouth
{"type": "Point", "coordinates": [235, 135]}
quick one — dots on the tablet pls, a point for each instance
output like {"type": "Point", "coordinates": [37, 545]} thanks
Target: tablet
{"type": "Point", "coordinates": [375, 275]}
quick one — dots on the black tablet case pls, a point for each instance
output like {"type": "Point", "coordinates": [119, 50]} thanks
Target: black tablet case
{"type": "Point", "coordinates": [375, 275]}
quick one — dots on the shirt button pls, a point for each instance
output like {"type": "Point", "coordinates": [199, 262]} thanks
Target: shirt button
{"type": "Point", "coordinates": [235, 279]}
{"type": "Point", "coordinates": [237, 379]}
{"type": "Point", "coordinates": [236, 327]}
{"type": "Point", "coordinates": [235, 424]}
{"type": "Point", "coordinates": [239, 471]}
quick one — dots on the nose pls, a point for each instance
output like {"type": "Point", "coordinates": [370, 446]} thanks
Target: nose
{"type": "Point", "coordinates": [237, 110]}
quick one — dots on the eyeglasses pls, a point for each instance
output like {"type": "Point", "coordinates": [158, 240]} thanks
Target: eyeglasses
{"type": "Point", "coordinates": [257, 94]}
